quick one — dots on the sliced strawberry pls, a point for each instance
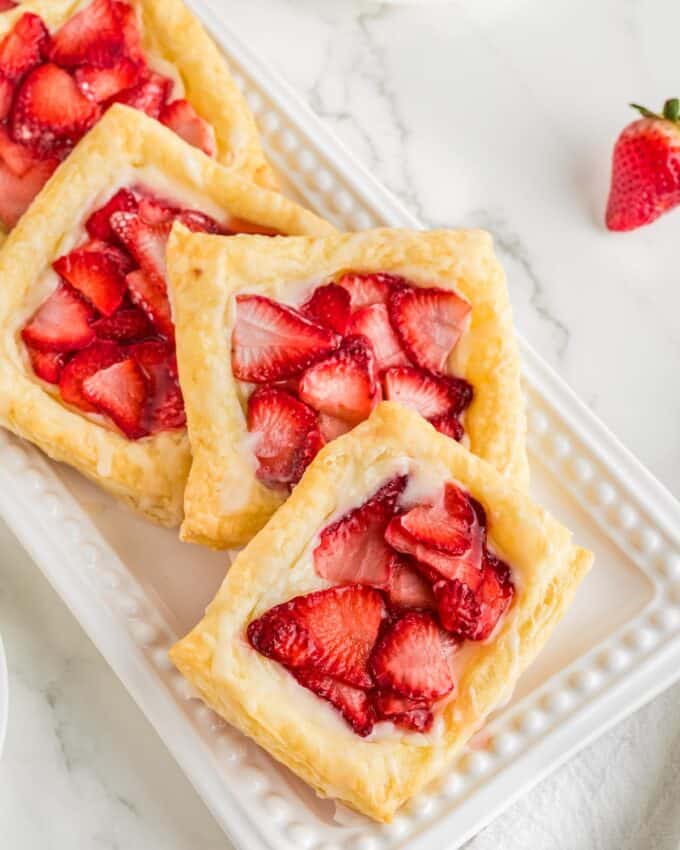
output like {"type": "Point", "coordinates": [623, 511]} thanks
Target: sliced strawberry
{"type": "Point", "coordinates": [429, 323]}
{"type": "Point", "coordinates": [92, 36]}
{"type": "Point", "coordinates": [431, 395]}
{"type": "Point", "coordinates": [95, 274]}
{"type": "Point", "coordinates": [144, 239]}
{"type": "Point", "coordinates": [50, 112]}
{"type": "Point", "coordinates": [181, 117]}
{"type": "Point", "coordinates": [16, 193]}
{"type": "Point", "coordinates": [149, 293]}
{"type": "Point", "coordinates": [271, 342]}
{"type": "Point", "coordinates": [149, 95]}
{"type": "Point", "coordinates": [343, 384]}
{"type": "Point", "coordinates": [353, 703]}
{"type": "Point", "coordinates": [353, 548]}
{"type": "Point", "coordinates": [101, 84]}
{"type": "Point", "coordinates": [164, 410]}
{"type": "Point", "coordinates": [449, 425]}
{"type": "Point", "coordinates": [120, 392]}
{"type": "Point", "coordinates": [407, 587]}
{"type": "Point", "coordinates": [286, 435]}
{"type": "Point", "coordinates": [6, 97]}
{"type": "Point", "coordinates": [129, 324]}
{"type": "Point", "coordinates": [367, 289]}
{"type": "Point", "coordinates": [199, 222]}
{"type": "Point", "coordinates": [408, 713]}
{"type": "Point", "coordinates": [61, 323]}
{"type": "Point", "coordinates": [459, 611]}
{"type": "Point", "coordinates": [373, 322]}
{"type": "Point", "coordinates": [6, 5]}
{"type": "Point", "coordinates": [331, 427]}
{"type": "Point", "coordinates": [328, 306]}
{"type": "Point", "coordinates": [21, 49]}
{"type": "Point", "coordinates": [98, 224]}
{"type": "Point", "coordinates": [411, 658]}
{"type": "Point", "coordinates": [18, 158]}
{"type": "Point", "coordinates": [46, 364]}
{"type": "Point", "coordinates": [132, 39]}
{"type": "Point", "coordinates": [445, 536]}
{"type": "Point", "coordinates": [330, 631]}
{"type": "Point", "coordinates": [99, 356]}
{"type": "Point", "coordinates": [494, 595]}
{"type": "Point", "coordinates": [117, 255]}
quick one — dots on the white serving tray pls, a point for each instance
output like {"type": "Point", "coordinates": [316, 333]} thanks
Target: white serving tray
{"type": "Point", "coordinates": [135, 589]}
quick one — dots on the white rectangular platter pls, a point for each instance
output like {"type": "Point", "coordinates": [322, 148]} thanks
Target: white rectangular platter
{"type": "Point", "coordinates": [135, 589]}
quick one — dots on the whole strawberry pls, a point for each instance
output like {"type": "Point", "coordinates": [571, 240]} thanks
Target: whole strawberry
{"type": "Point", "coordinates": [645, 169]}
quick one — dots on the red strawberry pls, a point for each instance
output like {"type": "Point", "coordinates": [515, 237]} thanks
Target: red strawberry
{"type": "Point", "coordinates": [99, 356]}
{"type": "Point", "coordinates": [373, 322]}
{"type": "Point", "coordinates": [18, 158]}
{"type": "Point", "coordinates": [21, 49]}
{"type": "Point", "coordinates": [353, 548]}
{"type": "Point", "coordinates": [46, 364]}
{"type": "Point", "coordinates": [16, 193]}
{"type": "Point", "coordinates": [165, 405]}
{"type": "Point", "coordinates": [61, 323]}
{"type": "Point", "coordinates": [449, 425]}
{"type": "Point", "coordinates": [126, 325]}
{"type": "Point", "coordinates": [429, 323]}
{"type": "Point", "coordinates": [411, 658]}
{"type": "Point", "coordinates": [645, 180]}
{"type": "Point", "coordinates": [6, 5]}
{"type": "Point", "coordinates": [95, 274]}
{"type": "Point", "coordinates": [127, 21]}
{"type": "Point", "coordinates": [494, 595]}
{"type": "Point", "coordinates": [328, 306]}
{"type": "Point", "coordinates": [343, 384]}
{"type": "Point", "coordinates": [459, 611]}
{"type": "Point", "coordinates": [446, 536]}
{"type": "Point", "coordinates": [181, 117]}
{"type": "Point", "coordinates": [50, 112]}
{"type": "Point", "coordinates": [98, 224]}
{"type": "Point", "coordinates": [431, 395]}
{"type": "Point", "coordinates": [407, 588]}
{"type": "Point", "coordinates": [408, 713]}
{"type": "Point", "coordinates": [100, 84]}
{"type": "Point", "coordinates": [331, 427]}
{"type": "Point", "coordinates": [271, 342]}
{"type": "Point", "coordinates": [330, 631]}
{"type": "Point", "coordinates": [353, 703]}
{"type": "Point", "coordinates": [367, 289]}
{"type": "Point", "coordinates": [146, 241]}
{"type": "Point", "coordinates": [119, 391]}
{"type": "Point", "coordinates": [149, 293]}
{"type": "Point", "coordinates": [286, 435]}
{"type": "Point", "coordinates": [6, 97]}
{"type": "Point", "coordinates": [149, 95]}
{"type": "Point", "coordinates": [199, 222]}
{"type": "Point", "coordinates": [92, 36]}
{"type": "Point", "coordinates": [117, 255]}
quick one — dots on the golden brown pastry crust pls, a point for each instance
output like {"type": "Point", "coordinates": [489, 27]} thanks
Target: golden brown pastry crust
{"type": "Point", "coordinates": [149, 473]}
{"type": "Point", "coordinates": [172, 33]}
{"type": "Point", "coordinates": [224, 503]}
{"type": "Point", "coordinates": [374, 776]}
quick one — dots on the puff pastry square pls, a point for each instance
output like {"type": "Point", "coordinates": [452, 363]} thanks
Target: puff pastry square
{"type": "Point", "coordinates": [126, 148]}
{"type": "Point", "coordinates": [174, 45]}
{"type": "Point", "coordinates": [225, 503]}
{"type": "Point", "coordinates": [376, 774]}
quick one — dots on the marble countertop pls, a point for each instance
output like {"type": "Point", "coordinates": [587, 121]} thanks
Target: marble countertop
{"type": "Point", "coordinates": [492, 113]}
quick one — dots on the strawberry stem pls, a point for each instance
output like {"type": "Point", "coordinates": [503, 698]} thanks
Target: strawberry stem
{"type": "Point", "coordinates": [671, 111]}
